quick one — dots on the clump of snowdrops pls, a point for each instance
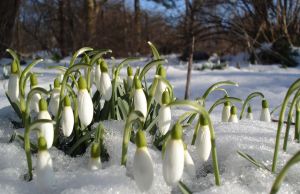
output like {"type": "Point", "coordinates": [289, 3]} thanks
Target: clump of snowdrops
{"type": "Point", "coordinates": [68, 115]}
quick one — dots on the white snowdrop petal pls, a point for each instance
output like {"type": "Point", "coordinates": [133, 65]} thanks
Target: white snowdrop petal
{"type": "Point", "coordinates": [13, 87]}
{"type": "Point", "coordinates": [47, 130]}
{"type": "Point", "coordinates": [203, 143]}
{"type": "Point", "coordinates": [164, 119]}
{"type": "Point", "coordinates": [98, 77]}
{"type": "Point", "coordinates": [189, 165]}
{"type": "Point", "coordinates": [160, 88]}
{"type": "Point", "coordinates": [225, 113]}
{"type": "Point", "coordinates": [143, 169]}
{"type": "Point", "coordinates": [105, 86]}
{"type": "Point", "coordinates": [173, 162]}
{"type": "Point", "coordinates": [67, 121]}
{"type": "Point", "coordinates": [94, 163]}
{"type": "Point", "coordinates": [54, 101]}
{"type": "Point", "coordinates": [85, 107]}
{"type": "Point", "coordinates": [140, 102]}
{"type": "Point", "coordinates": [44, 170]}
{"type": "Point", "coordinates": [233, 118]}
{"type": "Point", "coordinates": [130, 80]}
{"type": "Point", "coordinates": [265, 115]}
{"type": "Point", "coordinates": [34, 103]}
{"type": "Point", "coordinates": [249, 116]}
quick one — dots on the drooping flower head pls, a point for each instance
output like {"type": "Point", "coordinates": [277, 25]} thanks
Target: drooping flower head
{"type": "Point", "coordinates": [142, 165]}
{"type": "Point", "coordinates": [67, 119]}
{"type": "Point", "coordinates": [85, 103]}
{"type": "Point", "coordinates": [95, 160]}
{"type": "Point", "coordinates": [105, 83]}
{"type": "Point", "coordinates": [34, 104]}
{"type": "Point", "coordinates": [164, 114]}
{"type": "Point", "coordinates": [140, 101]}
{"type": "Point", "coordinates": [226, 112]}
{"type": "Point", "coordinates": [13, 83]}
{"type": "Point", "coordinates": [54, 98]}
{"type": "Point", "coordinates": [173, 160]}
{"type": "Point", "coordinates": [161, 86]}
{"type": "Point", "coordinates": [46, 129]}
{"type": "Point", "coordinates": [203, 140]}
{"type": "Point", "coordinates": [233, 115]}
{"type": "Point", "coordinates": [265, 112]}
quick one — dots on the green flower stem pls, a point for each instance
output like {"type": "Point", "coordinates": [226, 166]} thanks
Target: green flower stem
{"type": "Point", "coordinates": [223, 100]}
{"type": "Point", "coordinates": [249, 97]}
{"type": "Point", "coordinates": [297, 123]}
{"type": "Point", "coordinates": [149, 66]}
{"type": "Point", "coordinates": [289, 120]}
{"type": "Point", "coordinates": [215, 87]}
{"type": "Point", "coordinates": [154, 50]}
{"type": "Point", "coordinates": [133, 116]}
{"type": "Point", "coordinates": [16, 59]}
{"type": "Point", "coordinates": [292, 88]}
{"type": "Point", "coordinates": [28, 128]}
{"type": "Point", "coordinates": [279, 179]}
{"type": "Point", "coordinates": [77, 53]}
{"type": "Point", "coordinates": [197, 127]}
{"type": "Point", "coordinates": [201, 110]}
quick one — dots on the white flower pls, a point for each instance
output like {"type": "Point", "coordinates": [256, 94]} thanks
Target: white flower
{"type": "Point", "coordinates": [265, 113]}
{"type": "Point", "coordinates": [140, 101]}
{"type": "Point", "coordinates": [105, 86]}
{"type": "Point", "coordinates": [94, 163]}
{"type": "Point", "coordinates": [67, 118]}
{"type": "Point", "coordinates": [164, 119]}
{"type": "Point", "coordinates": [44, 169]}
{"type": "Point", "coordinates": [13, 87]}
{"type": "Point", "coordinates": [47, 130]}
{"type": "Point", "coordinates": [160, 88]}
{"type": "Point", "coordinates": [249, 116]}
{"type": "Point", "coordinates": [189, 165]}
{"type": "Point", "coordinates": [203, 142]}
{"type": "Point", "coordinates": [98, 77]}
{"type": "Point", "coordinates": [129, 80]}
{"type": "Point", "coordinates": [173, 160]}
{"type": "Point", "coordinates": [85, 103]}
{"type": "Point", "coordinates": [233, 115]}
{"type": "Point", "coordinates": [34, 103]}
{"type": "Point", "coordinates": [225, 113]}
{"type": "Point", "coordinates": [54, 101]}
{"type": "Point", "coordinates": [142, 164]}
{"type": "Point", "coordinates": [95, 160]}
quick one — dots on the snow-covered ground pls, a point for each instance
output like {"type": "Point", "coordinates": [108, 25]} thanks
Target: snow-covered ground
{"type": "Point", "coordinates": [237, 175]}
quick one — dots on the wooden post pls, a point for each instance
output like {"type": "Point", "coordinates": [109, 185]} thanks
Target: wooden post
{"type": "Point", "coordinates": [188, 77]}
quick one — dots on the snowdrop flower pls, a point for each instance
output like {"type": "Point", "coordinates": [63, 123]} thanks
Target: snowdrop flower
{"type": "Point", "coordinates": [233, 115]}
{"type": "Point", "coordinates": [129, 76]}
{"type": "Point", "coordinates": [142, 164]}
{"type": "Point", "coordinates": [161, 86]}
{"type": "Point", "coordinates": [189, 165]}
{"type": "Point", "coordinates": [34, 103]}
{"type": "Point", "coordinates": [98, 76]}
{"type": "Point", "coordinates": [164, 114]}
{"type": "Point", "coordinates": [47, 130]}
{"type": "Point", "coordinates": [173, 160]}
{"type": "Point", "coordinates": [226, 112]}
{"type": "Point", "coordinates": [13, 83]}
{"type": "Point", "coordinates": [249, 113]}
{"type": "Point", "coordinates": [85, 103]}
{"type": "Point", "coordinates": [265, 113]}
{"type": "Point", "coordinates": [54, 98]}
{"type": "Point", "coordinates": [140, 101]}
{"type": "Point", "coordinates": [67, 118]}
{"type": "Point", "coordinates": [44, 169]}
{"type": "Point", "coordinates": [105, 83]}
{"type": "Point", "coordinates": [203, 142]}
{"type": "Point", "coordinates": [95, 160]}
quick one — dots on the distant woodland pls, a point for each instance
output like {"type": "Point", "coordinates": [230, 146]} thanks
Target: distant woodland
{"type": "Point", "coordinates": [218, 26]}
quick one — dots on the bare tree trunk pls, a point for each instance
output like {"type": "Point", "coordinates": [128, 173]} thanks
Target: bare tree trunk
{"type": "Point", "coordinates": [188, 77]}
{"type": "Point", "coordinates": [93, 8]}
{"type": "Point", "coordinates": [8, 12]}
{"type": "Point", "coordinates": [137, 23]}
{"type": "Point", "coordinates": [61, 15]}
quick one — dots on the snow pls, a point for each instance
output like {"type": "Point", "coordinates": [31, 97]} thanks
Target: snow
{"type": "Point", "coordinates": [255, 138]}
